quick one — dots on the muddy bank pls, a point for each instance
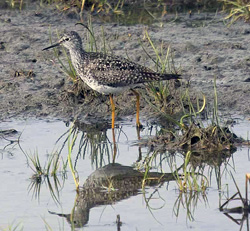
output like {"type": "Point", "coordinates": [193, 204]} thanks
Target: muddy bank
{"type": "Point", "coordinates": [32, 83]}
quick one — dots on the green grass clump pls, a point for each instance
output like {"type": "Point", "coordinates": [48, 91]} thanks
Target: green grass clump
{"type": "Point", "coordinates": [98, 6]}
{"type": "Point", "coordinates": [15, 3]}
{"type": "Point", "coordinates": [163, 93]}
{"type": "Point", "coordinates": [238, 9]}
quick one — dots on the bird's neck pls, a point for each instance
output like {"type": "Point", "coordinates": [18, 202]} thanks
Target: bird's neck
{"type": "Point", "coordinates": [77, 55]}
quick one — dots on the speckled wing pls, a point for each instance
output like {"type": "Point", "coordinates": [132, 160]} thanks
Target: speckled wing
{"type": "Point", "coordinates": [115, 71]}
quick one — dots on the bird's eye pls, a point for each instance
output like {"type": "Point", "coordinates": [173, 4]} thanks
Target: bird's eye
{"type": "Point", "coordinates": [67, 39]}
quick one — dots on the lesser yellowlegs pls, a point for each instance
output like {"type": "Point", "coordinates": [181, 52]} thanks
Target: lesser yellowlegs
{"type": "Point", "coordinates": [108, 74]}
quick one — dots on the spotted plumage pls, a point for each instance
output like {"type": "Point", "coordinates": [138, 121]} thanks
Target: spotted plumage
{"type": "Point", "coordinates": [108, 74]}
{"type": "Point", "coordinates": [114, 71]}
{"type": "Point", "coordinates": [105, 73]}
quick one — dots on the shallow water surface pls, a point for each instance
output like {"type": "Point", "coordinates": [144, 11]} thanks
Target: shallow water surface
{"type": "Point", "coordinates": [161, 207]}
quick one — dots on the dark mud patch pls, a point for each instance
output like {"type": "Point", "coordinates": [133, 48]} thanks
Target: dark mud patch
{"type": "Point", "coordinates": [33, 84]}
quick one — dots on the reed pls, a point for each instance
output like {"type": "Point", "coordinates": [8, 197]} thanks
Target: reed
{"type": "Point", "coordinates": [71, 143]}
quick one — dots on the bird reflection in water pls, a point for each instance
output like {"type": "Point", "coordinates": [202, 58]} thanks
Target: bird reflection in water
{"type": "Point", "coordinates": [109, 184]}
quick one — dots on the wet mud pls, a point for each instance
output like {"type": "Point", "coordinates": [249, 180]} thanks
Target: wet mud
{"type": "Point", "coordinates": [33, 83]}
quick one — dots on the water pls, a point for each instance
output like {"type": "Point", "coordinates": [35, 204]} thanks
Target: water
{"type": "Point", "coordinates": [20, 205]}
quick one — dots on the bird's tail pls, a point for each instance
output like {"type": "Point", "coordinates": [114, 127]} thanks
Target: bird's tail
{"type": "Point", "coordinates": [169, 76]}
{"type": "Point", "coordinates": [154, 76]}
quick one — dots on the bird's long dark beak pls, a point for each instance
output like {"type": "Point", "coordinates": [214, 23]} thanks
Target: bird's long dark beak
{"type": "Point", "coordinates": [54, 45]}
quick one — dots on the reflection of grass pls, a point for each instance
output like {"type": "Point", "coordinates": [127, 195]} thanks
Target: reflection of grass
{"type": "Point", "coordinates": [43, 175]}
{"type": "Point", "coordinates": [147, 166]}
{"type": "Point", "coordinates": [190, 180]}
{"type": "Point", "coordinates": [244, 209]}
{"type": "Point", "coordinates": [155, 195]}
{"type": "Point", "coordinates": [245, 203]}
{"type": "Point", "coordinates": [192, 183]}
{"type": "Point", "coordinates": [188, 201]}
{"type": "Point", "coordinates": [50, 168]}
{"type": "Point", "coordinates": [71, 142]}
{"type": "Point", "coordinates": [13, 227]}
{"type": "Point", "coordinates": [53, 184]}
{"type": "Point", "coordinates": [89, 140]}
{"type": "Point", "coordinates": [149, 162]}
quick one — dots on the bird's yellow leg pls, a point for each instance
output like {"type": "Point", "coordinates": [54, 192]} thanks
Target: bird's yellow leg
{"type": "Point", "coordinates": [113, 110]}
{"type": "Point", "coordinates": [138, 124]}
{"type": "Point", "coordinates": [114, 142]}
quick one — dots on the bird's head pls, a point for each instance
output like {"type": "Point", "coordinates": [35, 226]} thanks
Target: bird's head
{"type": "Point", "coordinates": [70, 40]}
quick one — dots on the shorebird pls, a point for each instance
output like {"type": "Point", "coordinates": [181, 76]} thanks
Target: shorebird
{"type": "Point", "coordinates": [108, 74]}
